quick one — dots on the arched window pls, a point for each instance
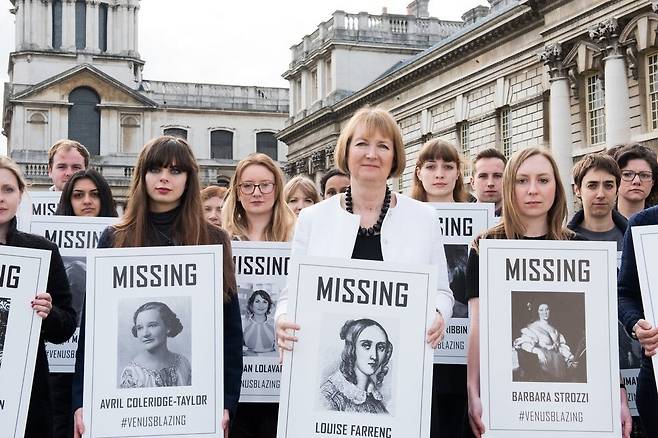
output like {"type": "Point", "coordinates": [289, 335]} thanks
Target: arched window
{"type": "Point", "coordinates": [266, 143]}
{"type": "Point", "coordinates": [80, 24]}
{"type": "Point", "coordinates": [57, 24]}
{"type": "Point", "coordinates": [85, 119]}
{"type": "Point", "coordinates": [221, 144]}
{"type": "Point", "coordinates": [176, 132]}
{"type": "Point", "coordinates": [37, 123]}
{"type": "Point", "coordinates": [130, 130]}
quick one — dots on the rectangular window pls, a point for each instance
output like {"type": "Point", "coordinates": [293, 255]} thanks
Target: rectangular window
{"type": "Point", "coordinates": [80, 24]}
{"type": "Point", "coordinates": [506, 131]}
{"type": "Point", "coordinates": [595, 110]}
{"type": "Point", "coordinates": [57, 24]}
{"type": "Point", "coordinates": [463, 139]}
{"type": "Point", "coordinates": [652, 63]}
{"type": "Point", "coordinates": [102, 27]}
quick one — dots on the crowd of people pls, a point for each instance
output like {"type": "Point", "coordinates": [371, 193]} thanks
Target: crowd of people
{"type": "Point", "coordinates": [353, 214]}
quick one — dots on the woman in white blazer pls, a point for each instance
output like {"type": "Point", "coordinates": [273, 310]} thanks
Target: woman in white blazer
{"type": "Point", "coordinates": [368, 221]}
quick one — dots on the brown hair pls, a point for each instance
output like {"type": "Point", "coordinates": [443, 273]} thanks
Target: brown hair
{"type": "Point", "coordinates": [13, 167]}
{"type": "Point", "coordinates": [438, 149]}
{"type": "Point", "coordinates": [234, 217]}
{"type": "Point", "coordinates": [212, 192]}
{"type": "Point", "coordinates": [636, 151]}
{"type": "Point", "coordinates": [65, 145]}
{"type": "Point", "coordinates": [374, 119]}
{"type": "Point", "coordinates": [305, 185]}
{"type": "Point", "coordinates": [489, 153]}
{"type": "Point", "coordinates": [598, 161]}
{"type": "Point", "coordinates": [189, 227]}
{"type": "Point", "coordinates": [511, 226]}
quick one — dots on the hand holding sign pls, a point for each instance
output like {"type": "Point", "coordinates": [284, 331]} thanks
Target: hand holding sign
{"type": "Point", "coordinates": [43, 304]}
{"type": "Point", "coordinates": [647, 334]}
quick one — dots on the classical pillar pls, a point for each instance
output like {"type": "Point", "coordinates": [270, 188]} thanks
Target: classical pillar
{"type": "Point", "coordinates": [305, 93]}
{"type": "Point", "coordinates": [560, 116]}
{"type": "Point", "coordinates": [291, 98]}
{"type": "Point", "coordinates": [91, 29]}
{"type": "Point", "coordinates": [20, 23]}
{"type": "Point", "coordinates": [136, 30]}
{"type": "Point", "coordinates": [123, 18]}
{"type": "Point", "coordinates": [322, 79]}
{"type": "Point", "coordinates": [28, 38]}
{"type": "Point", "coordinates": [129, 28]}
{"type": "Point", "coordinates": [617, 104]}
{"type": "Point", "coordinates": [68, 25]}
{"type": "Point", "coordinates": [110, 29]}
{"type": "Point", "coordinates": [49, 25]}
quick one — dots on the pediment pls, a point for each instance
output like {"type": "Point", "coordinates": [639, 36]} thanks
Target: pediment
{"type": "Point", "coordinates": [584, 56]}
{"type": "Point", "coordinates": [641, 29]}
{"type": "Point", "coordinates": [57, 89]}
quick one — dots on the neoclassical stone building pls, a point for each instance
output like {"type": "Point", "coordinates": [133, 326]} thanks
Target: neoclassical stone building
{"type": "Point", "coordinates": [76, 73]}
{"type": "Point", "coordinates": [574, 75]}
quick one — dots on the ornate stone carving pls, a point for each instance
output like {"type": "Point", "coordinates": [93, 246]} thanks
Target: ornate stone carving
{"type": "Point", "coordinates": [631, 60]}
{"type": "Point", "coordinates": [654, 5]}
{"type": "Point", "coordinates": [606, 35]}
{"type": "Point", "coordinates": [572, 76]}
{"type": "Point", "coordinates": [318, 161]}
{"type": "Point", "coordinates": [289, 169]}
{"type": "Point", "coordinates": [553, 59]}
{"type": "Point", "coordinates": [329, 154]}
{"type": "Point", "coordinates": [301, 166]}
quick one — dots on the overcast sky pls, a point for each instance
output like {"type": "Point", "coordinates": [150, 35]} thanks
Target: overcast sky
{"type": "Point", "coordinates": [243, 42]}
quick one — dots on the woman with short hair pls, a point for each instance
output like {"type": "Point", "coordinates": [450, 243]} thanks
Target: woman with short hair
{"type": "Point", "coordinates": [300, 192]}
{"type": "Point", "coordinates": [212, 198]}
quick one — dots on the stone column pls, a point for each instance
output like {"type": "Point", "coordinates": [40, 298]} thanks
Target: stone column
{"type": "Point", "coordinates": [560, 116]}
{"type": "Point", "coordinates": [129, 28]}
{"type": "Point", "coordinates": [49, 25]}
{"type": "Point", "coordinates": [305, 91]}
{"type": "Point", "coordinates": [68, 25]}
{"type": "Point", "coordinates": [617, 102]}
{"type": "Point", "coordinates": [110, 29]}
{"type": "Point", "coordinates": [291, 102]}
{"type": "Point", "coordinates": [136, 30]}
{"type": "Point", "coordinates": [322, 79]}
{"type": "Point", "coordinates": [28, 38]}
{"type": "Point", "coordinates": [123, 18]}
{"type": "Point", "coordinates": [20, 22]}
{"type": "Point", "coordinates": [91, 27]}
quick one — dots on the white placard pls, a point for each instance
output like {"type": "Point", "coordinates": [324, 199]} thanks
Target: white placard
{"type": "Point", "coordinates": [645, 241]}
{"type": "Point", "coordinates": [361, 366]}
{"type": "Point", "coordinates": [23, 273]}
{"type": "Point", "coordinates": [261, 269]}
{"type": "Point", "coordinates": [124, 395]}
{"type": "Point", "coordinates": [460, 223]}
{"type": "Point", "coordinates": [73, 235]}
{"type": "Point", "coordinates": [36, 204]}
{"type": "Point", "coordinates": [549, 364]}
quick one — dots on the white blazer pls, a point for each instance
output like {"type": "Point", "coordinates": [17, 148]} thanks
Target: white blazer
{"type": "Point", "coordinates": [410, 234]}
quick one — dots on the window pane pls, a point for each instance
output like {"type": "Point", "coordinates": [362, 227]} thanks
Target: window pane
{"type": "Point", "coordinates": [221, 144]}
{"type": "Point", "coordinates": [57, 24]}
{"type": "Point", "coordinates": [176, 132]}
{"type": "Point", "coordinates": [102, 27]}
{"type": "Point", "coordinates": [266, 144]}
{"type": "Point", "coordinates": [653, 89]}
{"type": "Point", "coordinates": [595, 110]}
{"type": "Point", "coordinates": [80, 24]}
{"type": "Point", "coordinates": [85, 119]}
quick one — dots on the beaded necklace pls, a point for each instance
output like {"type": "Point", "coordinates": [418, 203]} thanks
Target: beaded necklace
{"type": "Point", "coordinates": [375, 229]}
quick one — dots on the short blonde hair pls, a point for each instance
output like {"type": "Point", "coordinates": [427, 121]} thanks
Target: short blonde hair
{"type": "Point", "coordinates": [374, 119]}
{"type": "Point", "coordinates": [66, 145]}
{"type": "Point", "coordinates": [212, 192]}
{"type": "Point", "coordinates": [305, 185]}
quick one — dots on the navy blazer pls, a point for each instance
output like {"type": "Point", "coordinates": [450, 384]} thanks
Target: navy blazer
{"type": "Point", "coordinates": [628, 285]}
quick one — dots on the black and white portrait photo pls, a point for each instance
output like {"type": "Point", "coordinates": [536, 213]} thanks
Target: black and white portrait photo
{"type": "Point", "coordinates": [548, 337]}
{"type": "Point", "coordinates": [358, 379]}
{"type": "Point", "coordinates": [76, 271]}
{"type": "Point", "coordinates": [154, 342]}
{"type": "Point", "coordinates": [257, 305]}
{"type": "Point", "coordinates": [4, 316]}
{"type": "Point", "coordinates": [456, 257]}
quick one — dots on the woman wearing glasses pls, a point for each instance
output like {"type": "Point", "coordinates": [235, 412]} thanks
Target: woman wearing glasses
{"type": "Point", "coordinates": [637, 189]}
{"type": "Point", "coordinates": [255, 210]}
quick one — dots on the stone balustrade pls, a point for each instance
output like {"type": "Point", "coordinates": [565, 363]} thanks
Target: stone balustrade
{"type": "Point", "coordinates": [405, 30]}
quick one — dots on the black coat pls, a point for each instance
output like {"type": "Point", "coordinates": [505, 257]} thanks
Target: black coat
{"type": "Point", "coordinates": [232, 322]}
{"type": "Point", "coordinates": [57, 328]}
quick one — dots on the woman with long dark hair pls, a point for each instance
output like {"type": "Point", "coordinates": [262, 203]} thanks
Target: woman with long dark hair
{"type": "Point", "coordinates": [164, 209]}
{"type": "Point", "coordinates": [86, 193]}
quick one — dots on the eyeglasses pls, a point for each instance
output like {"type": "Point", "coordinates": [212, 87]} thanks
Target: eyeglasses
{"type": "Point", "coordinates": [249, 188]}
{"type": "Point", "coordinates": [629, 175]}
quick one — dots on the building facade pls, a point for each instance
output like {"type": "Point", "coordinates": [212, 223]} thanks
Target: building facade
{"type": "Point", "coordinates": [76, 73]}
{"type": "Point", "coordinates": [576, 76]}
